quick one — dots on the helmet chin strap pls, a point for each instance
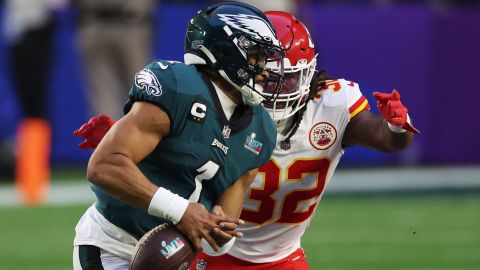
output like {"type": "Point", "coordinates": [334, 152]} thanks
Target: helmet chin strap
{"type": "Point", "coordinates": [249, 96]}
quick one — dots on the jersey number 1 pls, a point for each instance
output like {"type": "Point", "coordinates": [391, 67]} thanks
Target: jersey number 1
{"type": "Point", "coordinates": [206, 172]}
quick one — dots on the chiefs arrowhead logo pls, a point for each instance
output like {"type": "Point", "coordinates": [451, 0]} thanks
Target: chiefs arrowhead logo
{"type": "Point", "coordinates": [322, 135]}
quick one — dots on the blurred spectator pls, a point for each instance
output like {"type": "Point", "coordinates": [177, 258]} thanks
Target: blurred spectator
{"type": "Point", "coordinates": [115, 40]}
{"type": "Point", "coordinates": [6, 160]}
{"type": "Point", "coordinates": [29, 30]}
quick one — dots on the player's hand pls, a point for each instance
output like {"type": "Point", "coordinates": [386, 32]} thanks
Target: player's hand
{"type": "Point", "coordinates": [393, 111]}
{"type": "Point", "coordinates": [94, 130]}
{"type": "Point", "coordinates": [198, 223]}
{"type": "Point", "coordinates": [227, 230]}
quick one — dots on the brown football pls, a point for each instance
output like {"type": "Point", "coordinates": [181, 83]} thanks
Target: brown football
{"type": "Point", "coordinates": [164, 247]}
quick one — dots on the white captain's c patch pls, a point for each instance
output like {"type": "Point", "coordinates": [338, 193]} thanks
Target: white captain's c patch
{"type": "Point", "coordinates": [198, 112]}
{"type": "Point", "coordinates": [145, 79]}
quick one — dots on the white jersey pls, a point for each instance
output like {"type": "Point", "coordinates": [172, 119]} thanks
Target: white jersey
{"type": "Point", "coordinates": [285, 193]}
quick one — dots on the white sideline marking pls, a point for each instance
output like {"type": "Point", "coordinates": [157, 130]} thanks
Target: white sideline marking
{"type": "Point", "coordinates": [343, 181]}
{"type": "Point", "coordinates": [64, 193]}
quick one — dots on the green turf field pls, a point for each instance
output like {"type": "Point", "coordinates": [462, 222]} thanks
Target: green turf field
{"type": "Point", "coordinates": [347, 233]}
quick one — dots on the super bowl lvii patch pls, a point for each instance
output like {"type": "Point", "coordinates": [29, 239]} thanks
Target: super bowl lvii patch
{"type": "Point", "coordinates": [253, 145]}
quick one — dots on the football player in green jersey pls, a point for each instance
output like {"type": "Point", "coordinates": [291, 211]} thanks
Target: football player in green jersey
{"type": "Point", "coordinates": [190, 142]}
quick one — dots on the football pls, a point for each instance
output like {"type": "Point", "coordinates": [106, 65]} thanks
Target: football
{"type": "Point", "coordinates": [164, 247]}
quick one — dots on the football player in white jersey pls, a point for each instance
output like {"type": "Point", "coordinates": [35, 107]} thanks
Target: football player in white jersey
{"type": "Point", "coordinates": [316, 121]}
{"type": "Point", "coordinates": [313, 129]}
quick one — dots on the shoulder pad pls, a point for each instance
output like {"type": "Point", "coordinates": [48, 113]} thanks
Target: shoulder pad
{"type": "Point", "coordinates": [334, 92]}
{"type": "Point", "coordinates": [152, 79]}
{"type": "Point", "coordinates": [160, 76]}
{"type": "Point", "coordinates": [335, 86]}
{"type": "Point", "coordinates": [157, 75]}
{"type": "Point", "coordinates": [343, 93]}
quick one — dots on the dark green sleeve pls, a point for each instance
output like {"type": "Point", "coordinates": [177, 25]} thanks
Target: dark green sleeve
{"type": "Point", "coordinates": [157, 84]}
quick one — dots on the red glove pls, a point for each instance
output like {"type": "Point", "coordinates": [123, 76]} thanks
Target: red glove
{"type": "Point", "coordinates": [393, 110]}
{"type": "Point", "coordinates": [94, 130]}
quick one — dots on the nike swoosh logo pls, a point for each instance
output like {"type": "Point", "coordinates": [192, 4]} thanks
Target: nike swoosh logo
{"type": "Point", "coordinates": [162, 66]}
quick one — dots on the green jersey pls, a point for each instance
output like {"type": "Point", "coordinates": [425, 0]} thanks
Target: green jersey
{"type": "Point", "coordinates": [204, 154]}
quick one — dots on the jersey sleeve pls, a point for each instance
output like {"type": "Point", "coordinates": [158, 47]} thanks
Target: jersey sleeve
{"type": "Point", "coordinates": [343, 93]}
{"type": "Point", "coordinates": [157, 84]}
{"type": "Point", "coordinates": [356, 101]}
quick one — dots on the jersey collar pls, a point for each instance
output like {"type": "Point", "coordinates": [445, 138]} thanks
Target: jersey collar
{"type": "Point", "coordinates": [242, 115]}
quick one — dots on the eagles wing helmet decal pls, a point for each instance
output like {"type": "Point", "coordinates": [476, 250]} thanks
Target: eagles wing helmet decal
{"type": "Point", "coordinates": [145, 79]}
{"type": "Point", "coordinates": [250, 24]}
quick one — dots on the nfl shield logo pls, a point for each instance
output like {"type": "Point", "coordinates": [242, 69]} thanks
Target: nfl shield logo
{"type": "Point", "coordinates": [226, 132]}
{"type": "Point", "coordinates": [201, 265]}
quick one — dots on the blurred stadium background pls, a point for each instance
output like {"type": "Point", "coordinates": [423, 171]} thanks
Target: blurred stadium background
{"type": "Point", "coordinates": [419, 209]}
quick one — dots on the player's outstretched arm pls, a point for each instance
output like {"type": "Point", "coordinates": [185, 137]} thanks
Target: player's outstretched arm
{"type": "Point", "coordinates": [389, 132]}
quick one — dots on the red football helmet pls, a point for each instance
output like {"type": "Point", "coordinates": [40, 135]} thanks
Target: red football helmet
{"type": "Point", "coordinates": [299, 64]}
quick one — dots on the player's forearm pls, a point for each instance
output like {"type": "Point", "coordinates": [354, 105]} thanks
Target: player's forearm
{"type": "Point", "coordinates": [380, 137]}
{"type": "Point", "coordinates": [370, 130]}
{"type": "Point", "coordinates": [394, 141]}
{"type": "Point", "coordinates": [231, 200]}
{"type": "Point", "coordinates": [117, 175]}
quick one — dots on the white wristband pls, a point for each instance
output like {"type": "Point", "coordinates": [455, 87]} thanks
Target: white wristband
{"type": "Point", "coordinates": [399, 129]}
{"type": "Point", "coordinates": [396, 129]}
{"type": "Point", "coordinates": [207, 249]}
{"type": "Point", "coordinates": [167, 205]}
